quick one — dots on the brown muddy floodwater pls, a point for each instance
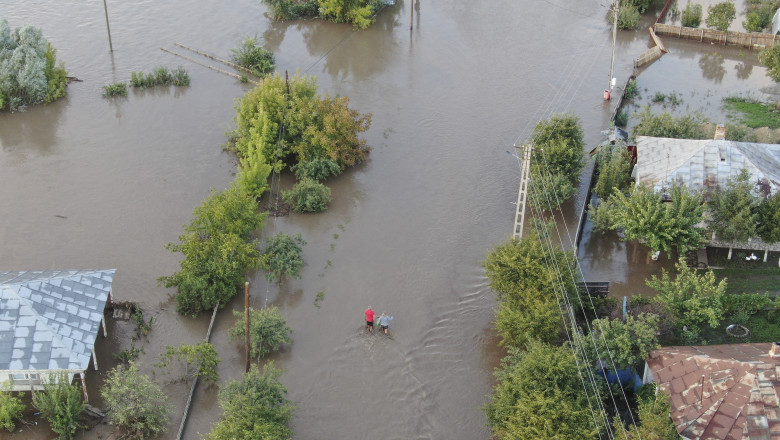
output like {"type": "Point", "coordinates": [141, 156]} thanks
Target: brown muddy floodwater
{"type": "Point", "coordinates": [92, 183]}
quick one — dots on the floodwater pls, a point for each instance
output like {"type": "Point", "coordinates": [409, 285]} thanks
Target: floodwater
{"type": "Point", "coordinates": [92, 183]}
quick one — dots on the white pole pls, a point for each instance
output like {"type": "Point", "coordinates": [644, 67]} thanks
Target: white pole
{"type": "Point", "coordinates": [614, 37]}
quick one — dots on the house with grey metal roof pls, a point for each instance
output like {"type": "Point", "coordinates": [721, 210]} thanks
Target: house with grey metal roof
{"type": "Point", "coordinates": [49, 321]}
{"type": "Point", "coordinates": [702, 165]}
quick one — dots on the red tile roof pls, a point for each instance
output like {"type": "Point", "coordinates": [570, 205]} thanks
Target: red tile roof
{"type": "Point", "coordinates": [727, 392]}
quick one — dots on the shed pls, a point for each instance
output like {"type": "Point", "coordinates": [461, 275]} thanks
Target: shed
{"type": "Point", "coordinates": [49, 321]}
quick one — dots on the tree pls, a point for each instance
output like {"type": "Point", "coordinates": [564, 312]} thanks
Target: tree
{"type": "Point", "coordinates": [11, 408]}
{"type": "Point", "coordinates": [137, 405]}
{"type": "Point", "coordinates": [733, 210]}
{"type": "Point", "coordinates": [548, 191]}
{"type": "Point", "coordinates": [691, 15]}
{"type": "Point", "coordinates": [654, 420]}
{"type": "Point", "coordinates": [282, 257]}
{"type": "Point", "coordinates": [628, 343]}
{"type": "Point", "coordinates": [760, 17]}
{"type": "Point", "coordinates": [628, 16]}
{"type": "Point", "coordinates": [358, 12]}
{"type": "Point", "coordinates": [692, 299]}
{"type": "Point", "coordinates": [251, 55]}
{"type": "Point", "coordinates": [255, 408]}
{"type": "Point", "coordinates": [769, 219]}
{"type": "Point", "coordinates": [559, 146]}
{"type": "Point", "coordinates": [317, 169]}
{"type": "Point", "coordinates": [770, 58]}
{"type": "Point", "coordinates": [200, 360]}
{"type": "Point", "coordinates": [268, 330]}
{"type": "Point", "coordinates": [644, 216]}
{"type": "Point", "coordinates": [721, 15]}
{"type": "Point", "coordinates": [613, 165]}
{"type": "Point", "coordinates": [61, 404]}
{"type": "Point", "coordinates": [534, 318]}
{"type": "Point", "coordinates": [539, 395]}
{"type": "Point", "coordinates": [218, 250]}
{"type": "Point", "coordinates": [666, 125]}
{"type": "Point", "coordinates": [308, 196]}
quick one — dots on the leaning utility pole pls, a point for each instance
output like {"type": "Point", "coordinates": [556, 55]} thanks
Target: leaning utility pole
{"type": "Point", "coordinates": [105, 9]}
{"type": "Point", "coordinates": [522, 194]}
{"type": "Point", "coordinates": [246, 312]}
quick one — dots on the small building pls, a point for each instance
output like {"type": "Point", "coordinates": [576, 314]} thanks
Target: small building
{"type": "Point", "coordinates": [49, 321]}
{"type": "Point", "coordinates": [702, 165]}
{"type": "Point", "coordinates": [727, 392]}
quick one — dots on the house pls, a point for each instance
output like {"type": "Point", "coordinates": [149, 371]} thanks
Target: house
{"type": "Point", "coordinates": [704, 164]}
{"type": "Point", "coordinates": [49, 321]}
{"type": "Point", "coordinates": [720, 391]}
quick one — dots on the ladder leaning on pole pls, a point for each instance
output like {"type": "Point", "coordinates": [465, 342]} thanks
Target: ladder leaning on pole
{"type": "Point", "coordinates": [522, 194]}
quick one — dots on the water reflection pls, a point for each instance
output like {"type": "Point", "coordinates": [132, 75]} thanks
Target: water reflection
{"type": "Point", "coordinates": [712, 67]}
{"type": "Point", "coordinates": [743, 70]}
{"type": "Point", "coordinates": [36, 128]}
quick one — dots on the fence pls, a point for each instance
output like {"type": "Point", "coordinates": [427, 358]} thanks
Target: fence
{"type": "Point", "coordinates": [752, 40]}
{"type": "Point", "coordinates": [650, 55]}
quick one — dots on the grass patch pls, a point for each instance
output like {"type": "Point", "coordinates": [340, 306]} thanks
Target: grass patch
{"type": "Point", "coordinates": [754, 113]}
{"type": "Point", "coordinates": [117, 89]}
{"type": "Point", "coordinates": [160, 76]}
{"type": "Point", "coordinates": [746, 276]}
{"type": "Point", "coordinates": [763, 327]}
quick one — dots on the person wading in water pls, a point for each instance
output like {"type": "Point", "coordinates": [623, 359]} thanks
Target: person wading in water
{"type": "Point", "coordinates": [370, 319]}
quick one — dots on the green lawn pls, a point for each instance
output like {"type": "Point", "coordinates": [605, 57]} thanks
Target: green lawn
{"type": "Point", "coordinates": [754, 114]}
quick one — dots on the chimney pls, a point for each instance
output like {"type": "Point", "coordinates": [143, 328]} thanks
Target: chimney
{"type": "Point", "coordinates": [720, 132]}
{"type": "Point", "coordinates": [774, 352]}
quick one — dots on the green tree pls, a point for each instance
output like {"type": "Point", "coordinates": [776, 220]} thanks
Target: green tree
{"type": "Point", "coordinates": [11, 408]}
{"type": "Point", "coordinates": [61, 404]}
{"type": "Point", "coordinates": [628, 16]}
{"type": "Point", "coordinates": [137, 405]}
{"type": "Point", "coordinates": [613, 165]}
{"type": "Point", "coordinates": [644, 5]}
{"type": "Point", "coordinates": [308, 196]}
{"type": "Point", "coordinates": [282, 257]}
{"type": "Point", "coordinates": [691, 15]}
{"type": "Point", "coordinates": [769, 219]}
{"type": "Point", "coordinates": [217, 249]}
{"type": "Point", "coordinates": [358, 12]}
{"type": "Point", "coordinates": [644, 216]}
{"type": "Point", "coordinates": [760, 17]}
{"type": "Point", "coordinates": [628, 343]}
{"type": "Point", "coordinates": [559, 146]}
{"type": "Point", "coordinates": [693, 299]}
{"type": "Point", "coordinates": [317, 169]}
{"type": "Point", "coordinates": [654, 420]}
{"type": "Point", "coordinates": [548, 191]}
{"type": "Point", "coordinates": [255, 408]}
{"type": "Point", "coordinates": [268, 330]}
{"type": "Point", "coordinates": [253, 172]}
{"type": "Point", "coordinates": [770, 58]}
{"type": "Point", "coordinates": [530, 318]}
{"type": "Point", "coordinates": [732, 209]}
{"type": "Point", "coordinates": [251, 55]}
{"type": "Point", "coordinates": [666, 125]}
{"type": "Point", "coordinates": [199, 360]}
{"type": "Point", "coordinates": [721, 15]}
{"type": "Point", "coordinates": [539, 395]}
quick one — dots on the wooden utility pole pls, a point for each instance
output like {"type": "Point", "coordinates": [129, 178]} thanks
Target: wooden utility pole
{"type": "Point", "coordinates": [105, 9]}
{"type": "Point", "coordinates": [411, 8]}
{"type": "Point", "coordinates": [287, 81]}
{"type": "Point", "coordinates": [614, 37]}
{"type": "Point", "coordinates": [246, 307]}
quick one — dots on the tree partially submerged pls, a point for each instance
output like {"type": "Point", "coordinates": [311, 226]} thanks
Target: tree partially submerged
{"type": "Point", "coordinates": [61, 404]}
{"type": "Point", "coordinates": [358, 12]}
{"type": "Point", "coordinates": [282, 257]}
{"type": "Point", "coordinates": [136, 405]}
{"type": "Point", "coordinates": [268, 330]}
{"type": "Point", "coordinates": [558, 158]}
{"type": "Point", "coordinates": [199, 360]}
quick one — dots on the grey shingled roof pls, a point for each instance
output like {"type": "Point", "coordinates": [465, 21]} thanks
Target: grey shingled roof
{"type": "Point", "coordinates": [49, 319]}
{"type": "Point", "coordinates": [704, 164]}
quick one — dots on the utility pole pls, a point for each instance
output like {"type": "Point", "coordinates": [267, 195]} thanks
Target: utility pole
{"type": "Point", "coordinates": [522, 193]}
{"type": "Point", "coordinates": [411, 8]}
{"type": "Point", "coordinates": [105, 9]}
{"type": "Point", "coordinates": [612, 59]}
{"type": "Point", "coordinates": [246, 312]}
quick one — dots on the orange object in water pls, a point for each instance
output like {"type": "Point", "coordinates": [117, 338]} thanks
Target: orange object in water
{"type": "Point", "coordinates": [606, 95]}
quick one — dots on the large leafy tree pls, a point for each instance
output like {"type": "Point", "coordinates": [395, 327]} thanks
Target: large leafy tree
{"type": "Point", "coordinates": [218, 250]}
{"type": "Point", "coordinates": [539, 394]}
{"type": "Point", "coordinates": [558, 158]}
{"type": "Point", "coordinates": [693, 299]}
{"type": "Point", "coordinates": [721, 15]}
{"type": "Point", "coordinates": [268, 330]}
{"type": "Point", "coordinates": [11, 407]}
{"type": "Point", "coordinates": [256, 408]}
{"type": "Point", "coordinates": [199, 360]}
{"type": "Point", "coordinates": [137, 405]}
{"type": "Point", "coordinates": [613, 165]}
{"type": "Point", "coordinates": [628, 343]}
{"type": "Point", "coordinates": [654, 420]}
{"type": "Point", "coordinates": [769, 219]}
{"type": "Point", "coordinates": [644, 216]}
{"type": "Point", "coordinates": [733, 210]}
{"type": "Point", "coordinates": [61, 404]}
{"type": "Point", "coordinates": [282, 257]}
{"type": "Point", "coordinates": [770, 58]}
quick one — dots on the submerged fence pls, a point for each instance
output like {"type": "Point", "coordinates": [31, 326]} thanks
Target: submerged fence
{"type": "Point", "coordinates": [752, 40]}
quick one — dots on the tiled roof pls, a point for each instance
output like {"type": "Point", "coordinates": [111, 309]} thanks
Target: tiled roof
{"type": "Point", "coordinates": [49, 319]}
{"type": "Point", "coordinates": [721, 391]}
{"type": "Point", "coordinates": [704, 164]}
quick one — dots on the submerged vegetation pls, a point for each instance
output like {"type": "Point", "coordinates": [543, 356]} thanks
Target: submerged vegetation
{"type": "Point", "coordinates": [160, 76]}
{"type": "Point", "coordinates": [28, 71]}
{"type": "Point", "coordinates": [116, 89]}
{"type": "Point", "coordinates": [253, 57]}
{"type": "Point", "coordinates": [358, 12]}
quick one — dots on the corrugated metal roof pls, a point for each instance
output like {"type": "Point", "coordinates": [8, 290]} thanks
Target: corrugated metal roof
{"type": "Point", "coordinates": [49, 319]}
{"type": "Point", "coordinates": [704, 164]}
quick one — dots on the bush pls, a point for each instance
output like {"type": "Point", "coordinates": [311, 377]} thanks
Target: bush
{"type": "Point", "coordinates": [11, 408]}
{"type": "Point", "coordinates": [199, 360]}
{"type": "Point", "coordinates": [292, 9]}
{"type": "Point", "coordinates": [732, 209]}
{"type": "Point", "coordinates": [116, 89]}
{"type": "Point", "coordinates": [628, 17]}
{"type": "Point", "coordinates": [621, 118]}
{"type": "Point", "coordinates": [180, 77]}
{"type": "Point", "coordinates": [691, 15]}
{"type": "Point", "coordinates": [760, 17]}
{"type": "Point", "coordinates": [628, 343]}
{"type": "Point", "coordinates": [282, 257]}
{"type": "Point", "coordinates": [61, 404]}
{"type": "Point", "coordinates": [56, 77]}
{"type": "Point", "coordinates": [721, 15]}
{"type": "Point", "coordinates": [613, 165]}
{"type": "Point", "coordinates": [308, 196]}
{"type": "Point", "coordinates": [250, 55]}
{"type": "Point", "coordinates": [769, 219]}
{"type": "Point", "coordinates": [740, 133]}
{"type": "Point", "coordinates": [136, 405]}
{"type": "Point", "coordinates": [267, 331]}
{"type": "Point", "coordinates": [318, 169]}
{"type": "Point", "coordinates": [632, 89]}
{"type": "Point", "coordinates": [666, 125]}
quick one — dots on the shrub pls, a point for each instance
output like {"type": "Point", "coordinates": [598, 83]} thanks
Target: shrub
{"type": "Point", "coordinates": [56, 77]}
{"type": "Point", "coordinates": [267, 331]}
{"type": "Point", "coordinates": [199, 360]}
{"type": "Point", "coordinates": [732, 210]}
{"type": "Point", "coordinates": [721, 15]}
{"type": "Point", "coordinates": [61, 404]}
{"type": "Point", "coordinates": [691, 15]}
{"type": "Point", "coordinates": [116, 89]}
{"type": "Point", "coordinates": [628, 343]}
{"type": "Point", "coordinates": [318, 169]}
{"type": "Point", "coordinates": [666, 125]}
{"type": "Point", "coordinates": [769, 219]}
{"type": "Point", "coordinates": [740, 133]}
{"type": "Point", "coordinates": [162, 76]}
{"type": "Point", "coordinates": [770, 57]}
{"type": "Point", "coordinates": [632, 89]}
{"type": "Point", "coordinates": [180, 77]}
{"type": "Point", "coordinates": [136, 405]}
{"type": "Point", "coordinates": [628, 17]}
{"type": "Point", "coordinates": [282, 257]}
{"type": "Point", "coordinates": [621, 118]}
{"type": "Point", "coordinates": [292, 9]}
{"type": "Point", "coordinates": [613, 165]}
{"type": "Point", "coordinates": [11, 408]}
{"type": "Point", "coordinates": [254, 57]}
{"type": "Point", "coordinates": [760, 17]}
{"type": "Point", "coordinates": [308, 196]}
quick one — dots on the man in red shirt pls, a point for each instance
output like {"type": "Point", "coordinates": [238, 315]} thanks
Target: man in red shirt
{"type": "Point", "coordinates": [370, 319]}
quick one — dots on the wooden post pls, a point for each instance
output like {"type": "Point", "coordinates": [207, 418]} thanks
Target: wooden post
{"type": "Point", "coordinates": [766, 254]}
{"type": "Point", "coordinates": [729, 257]}
{"type": "Point", "coordinates": [287, 82]}
{"type": "Point", "coordinates": [94, 358]}
{"type": "Point", "coordinates": [246, 307]}
{"type": "Point", "coordinates": [103, 323]}
{"type": "Point", "coordinates": [411, 14]}
{"type": "Point", "coordinates": [84, 387]}
{"type": "Point", "coordinates": [110, 46]}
